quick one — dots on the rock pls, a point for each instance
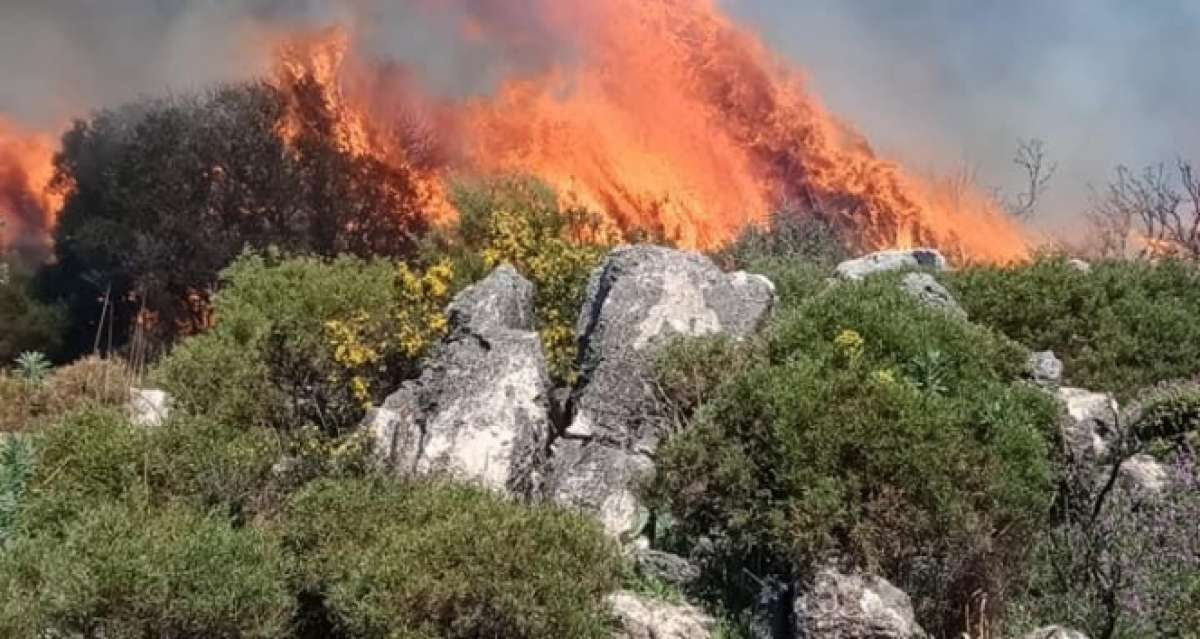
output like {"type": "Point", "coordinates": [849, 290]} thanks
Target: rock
{"type": "Point", "coordinates": [665, 567]}
{"type": "Point", "coordinates": [1145, 474]}
{"type": "Point", "coordinates": [480, 410]}
{"type": "Point", "coordinates": [893, 260]}
{"type": "Point", "coordinates": [930, 292]}
{"type": "Point", "coordinates": [148, 406]}
{"type": "Point", "coordinates": [640, 617]}
{"type": "Point", "coordinates": [1054, 632]}
{"type": "Point", "coordinates": [1079, 265]}
{"type": "Point", "coordinates": [841, 606]}
{"type": "Point", "coordinates": [1045, 369]}
{"type": "Point", "coordinates": [637, 299]}
{"type": "Point", "coordinates": [1091, 423]}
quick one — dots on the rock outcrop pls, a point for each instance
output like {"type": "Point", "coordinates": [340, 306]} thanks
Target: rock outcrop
{"type": "Point", "coordinates": [480, 410]}
{"type": "Point", "coordinates": [927, 290]}
{"type": "Point", "coordinates": [637, 299]}
{"type": "Point", "coordinates": [842, 606]}
{"type": "Point", "coordinates": [640, 617]}
{"type": "Point", "coordinates": [1091, 423]}
{"type": "Point", "coordinates": [1045, 369]}
{"type": "Point", "coordinates": [892, 260]}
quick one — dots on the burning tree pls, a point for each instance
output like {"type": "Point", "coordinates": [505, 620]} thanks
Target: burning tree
{"type": "Point", "coordinates": [1153, 214]}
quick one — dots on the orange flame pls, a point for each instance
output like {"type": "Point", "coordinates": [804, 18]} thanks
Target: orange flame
{"type": "Point", "coordinates": [28, 206]}
{"type": "Point", "coordinates": [674, 119]}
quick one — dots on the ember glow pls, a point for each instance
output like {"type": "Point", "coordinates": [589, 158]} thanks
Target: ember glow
{"type": "Point", "coordinates": [665, 116]}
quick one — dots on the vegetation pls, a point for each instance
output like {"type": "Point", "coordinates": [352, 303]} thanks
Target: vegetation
{"type": "Point", "coordinates": [1118, 327]}
{"type": "Point", "coordinates": [863, 428]}
{"type": "Point", "coordinates": [25, 323]}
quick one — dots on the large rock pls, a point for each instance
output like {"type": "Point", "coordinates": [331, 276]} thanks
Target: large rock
{"type": "Point", "coordinates": [480, 410]}
{"type": "Point", "coordinates": [927, 290]}
{"type": "Point", "coordinates": [1044, 369]}
{"type": "Point", "coordinates": [665, 567]}
{"type": "Point", "coordinates": [640, 617]}
{"type": "Point", "coordinates": [892, 260]}
{"type": "Point", "coordinates": [1091, 423]}
{"type": "Point", "coordinates": [639, 298]}
{"type": "Point", "coordinates": [1054, 632]}
{"type": "Point", "coordinates": [842, 606]}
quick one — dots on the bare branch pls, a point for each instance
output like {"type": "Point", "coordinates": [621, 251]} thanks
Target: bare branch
{"type": "Point", "coordinates": [1031, 157]}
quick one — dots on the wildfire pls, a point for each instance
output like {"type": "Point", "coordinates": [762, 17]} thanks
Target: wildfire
{"type": "Point", "coordinates": [28, 206]}
{"type": "Point", "coordinates": [671, 118]}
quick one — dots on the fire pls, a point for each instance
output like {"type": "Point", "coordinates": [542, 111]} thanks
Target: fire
{"type": "Point", "coordinates": [28, 205]}
{"type": "Point", "coordinates": [670, 118]}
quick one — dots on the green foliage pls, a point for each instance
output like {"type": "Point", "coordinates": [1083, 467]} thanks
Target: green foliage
{"type": "Point", "coordinates": [32, 368]}
{"type": "Point", "coordinates": [1119, 327]}
{"type": "Point", "coordinates": [115, 569]}
{"type": "Point", "coordinates": [390, 559]}
{"type": "Point", "coordinates": [25, 323]}
{"type": "Point", "coordinates": [868, 428]}
{"type": "Point", "coordinates": [17, 460]}
{"type": "Point", "coordinates": [519, 221]}
{"type": "Point", "coordinates": [303, 340]}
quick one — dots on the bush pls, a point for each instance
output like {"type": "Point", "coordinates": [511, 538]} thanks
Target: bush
{"type": "Point", "coordinates": [302, 340]}
{"type": "Point", "coordinates": [116, 569]}
{"type": "Point", "coordinates": [868, 429]}
{"type": "Point", "coordinates": [89, 382]}
{"type": "Point", "coordinates": [26, 324]}
{"type": "Point", "coordinates": [388, 559]}
{"type": "Point", "coordinates": [1119, 327]}
{"type": "Point", "coordinates": [790, 235]}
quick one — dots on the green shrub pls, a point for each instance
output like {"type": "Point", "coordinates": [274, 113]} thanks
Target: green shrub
{"type": "Point", "coordinates": [119, 570]}
{"type": "Point", "coordinates": [789, 235]}
{"type": "Point", "coordinates": [303, 340]}
{"type": "Point", "coordinates": [389, 559]}
{"type": "Point", "coordinates": [17, 461]}
{"type": "Point", "coordinates": [98, 455]}
{"type": "Point", "coordinates": [1119, 327]}
{"type": "Point", "coordinates": [869, 429]}
{"type": "Point", "coordinates": [25, 323]}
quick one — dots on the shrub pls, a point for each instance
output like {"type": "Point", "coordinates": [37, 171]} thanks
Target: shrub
{"type": "Point", "coordinates": [26, 324]}
{"type": "Point", "coordinates": [89, 382]}
{"type": "Point", "coordinates": [390, 559]}
{"type": "Point", "coordinates": [790, 235]}
{"type": "Point", "coordinates": [869, 429]}
{"type": "Point", "coordinates": [17, 462]}
{"type": "Point", "coordinates": [116, 569]}
{"type": "Point", "coordinates": [519, 221]}
{"type": "Point", "coordinates": [302, 340]}
{"type": "Point", "coordinates": [1119, 327]}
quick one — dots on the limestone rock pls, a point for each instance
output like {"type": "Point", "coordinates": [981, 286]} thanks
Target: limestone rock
{"type": "Point", "coordinates": [640, 617]}
{"type": "Point", "coordinates": [842, 606]}
{"type": "Point", "coordinates": [927, 290]}
{"type": "Point", "coordinates": [480, 410]}
{"type": "Point", "coordinates": [148, 406]}
{"type": "Point", "coordinates": [638, 299]}
{"type": "Point", "coordinates": [891, 260]}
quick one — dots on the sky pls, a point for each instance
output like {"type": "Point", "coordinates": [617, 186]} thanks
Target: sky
{"type": "Point", "coordinates": [937, 84]}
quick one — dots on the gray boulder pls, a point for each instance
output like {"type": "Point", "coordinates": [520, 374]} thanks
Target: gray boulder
{"type": "Point", "coordinates": [640, 617]}
{"type": "Point", "coordinates": [665, 567]}
{"type": "Point", "coordinates": [1044, 369]}
{"type": "Point", "coordinates": [928, 291]}
{"type": "Point", "coordinates": [842, 606]}
{"type": "Point", "coordinates": [1091, 421]}
{"type": "Point", "coordinates": [1054, 632]}
{"type": "Point", "coordinates": [637, 299]}
{"type": "Point", "coordinates": [1079, 265]}
{"type": "Point", "coordinates": [891, 260]}
{"type": "Point", "coordinates": [148, 406]}
{"type": "Point", "coordinates": [480, 410]}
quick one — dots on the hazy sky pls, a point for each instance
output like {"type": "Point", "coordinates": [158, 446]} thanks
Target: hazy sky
{"type": "Point", "coordinates": [936, 83]}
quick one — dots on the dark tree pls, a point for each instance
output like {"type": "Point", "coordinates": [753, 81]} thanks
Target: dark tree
{"type": "Point", "coordinates": [164, 193]}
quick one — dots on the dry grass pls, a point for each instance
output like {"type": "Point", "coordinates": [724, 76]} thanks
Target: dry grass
{"type": "Point", "coordinates": [91, 381]}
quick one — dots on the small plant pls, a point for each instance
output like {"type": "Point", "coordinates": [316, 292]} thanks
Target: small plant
{"type": "Point", "coordinates": [33, 368]}
{"type": "Point", "coordinates": [17, 460]}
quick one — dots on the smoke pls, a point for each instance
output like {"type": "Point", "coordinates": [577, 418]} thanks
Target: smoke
{"type": "Point", "coordinates": [934, 84]}
{"type": "Point", "coordinates": [942, 84]}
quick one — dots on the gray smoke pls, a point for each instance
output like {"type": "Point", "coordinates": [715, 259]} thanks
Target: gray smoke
{"type": "Point", "coordinates": [934, 83]}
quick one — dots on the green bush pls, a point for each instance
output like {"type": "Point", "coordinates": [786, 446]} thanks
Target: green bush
{"type": "Point", "coordinates": [25, 323]}
{"type": "Point", "coordinates": [870, 429]}
{"type": "Point", "coordinates": [1119, 327]}
{"type": "Point", "coordinates": [390, 559]}
{"type": "Point", "coordinates": [788, 235]}
{"type": "Point", "coordinates": [304, 340]}
{"type": "Point", "coordinates": [119, 570]}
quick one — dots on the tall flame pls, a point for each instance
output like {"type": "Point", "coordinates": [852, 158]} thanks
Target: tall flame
{"type": "Point", "coordinates": [672, 118]}
{"type": "Point", "coordinates": [28, 205]}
